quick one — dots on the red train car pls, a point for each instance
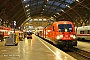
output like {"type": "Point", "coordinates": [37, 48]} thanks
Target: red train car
{"type": "Point", "coordinates": [5, 31]}
{"type": "Point", "coordinates": [61, 33]}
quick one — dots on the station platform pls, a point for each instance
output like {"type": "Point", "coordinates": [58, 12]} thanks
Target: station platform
{"type": "Point", "coordinates": [32, 49]}
{"type": "Point", "coordinates": [83, 45]}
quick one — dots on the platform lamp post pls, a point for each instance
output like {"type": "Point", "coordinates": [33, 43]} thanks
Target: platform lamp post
{"type": "Point", "coordinates": [14, 36]}
{"type": "Point", "coordinates": [14, 23]}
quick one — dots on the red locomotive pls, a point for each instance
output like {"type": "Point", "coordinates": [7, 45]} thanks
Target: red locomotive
{"type": "Point", "coordinates": [61, 33]}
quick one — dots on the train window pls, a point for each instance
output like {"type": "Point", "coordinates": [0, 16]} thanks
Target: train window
{"type": "Point", "coordinates": [65, 27]}
{"type": "Point", "coordinates": [88, 32]}
{"type": "Point", "coordinates": [81, 32]}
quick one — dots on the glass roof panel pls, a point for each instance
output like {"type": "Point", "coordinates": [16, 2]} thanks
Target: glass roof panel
{"type": "Point", "coordinates": [47, 6]}
{"type": "Point", "coordinates": [50, 10]}
{"type": "Point", "coordinates": [55, 12]}
{"type": "Point", "coordinates": [33, 4]}
{"type": "Point", "coordinates": [39, 6]}
{"type": "Point", "coordinates": [61, 0]}
{"type": "Point", "coordinates": [59, 10]}
{"type": "Point", "coordinates": [53, 8]}
{"type": "Point", "coordinates": [56, 4]}
{"type": "Point", "coordinates": [50, 2]}
{"type": "Point", "coordinates": [70, 1]}
{"type": "Point", "coordinates": [63, 6]}
{"type": "Point", "coordinates": [40, 2]}
{"type": "Point", "coordinates": [33, 8]}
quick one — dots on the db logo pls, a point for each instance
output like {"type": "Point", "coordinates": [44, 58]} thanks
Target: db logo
{"type": "Point", "coordinates": [66, 35]}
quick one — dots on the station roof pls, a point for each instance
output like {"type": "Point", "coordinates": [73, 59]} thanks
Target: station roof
{"type": "Point", "coordinates": [19, 10]}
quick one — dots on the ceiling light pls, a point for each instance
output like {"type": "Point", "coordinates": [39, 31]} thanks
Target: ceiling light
{"type": "Point", "coordinates": [62, 10]}
{"type": "Point", "coordinates": [41, 12]}
{"type": "Point", "coordinates": [54, 15]}
{"type": "Point", "coordinates": [24, 0]}
{"type": "Point", "coordinates": [28, 13]}
{"type": "Point", "coordinates": [58, 13]}
{"type": "Point", "coordinates": [68, 6]}
{"type": "Point", "coordinates": [77, 0]}
{"type": "Point", "coordinates": [27, 23]}
{"type": "Point", "coordinates": [18, 27]}
{"type": "Point", "coordinates": [43, 9]}
{"type": "Point", "coordinates": [45, 5]}
{"type": "Point", "coordinates": [27, 10]}
{"type": "Point", "coordinates": [26, 6]}
{"type": "Point", "coordinates": [47, 0]}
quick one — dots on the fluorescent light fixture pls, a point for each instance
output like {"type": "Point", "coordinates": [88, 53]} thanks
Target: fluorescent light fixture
{"type": "Point", "coordinates": [45, 5]}
{"type": "Point", "coordinates": [26, 6]}
{"type": "Point", "coordinates": [62, 10]}
{"type": "Point", "coordinates": [27, 10]}
{"type": "Point", "coordinates": [54, 15]}
{"type": "Point", "coordinates": [58, 13]}
{"type": "Point", "coordinates": [68, 6]}
{"type": "Point", "coordinates": [47, 0]}
{"type": "Point", "coordinates": [28, 13]}
{"type": "Point", "coordinates": [77, 0]}
{"type": "Point", "coordinates": [43, 9]}
{"type": "Point", "coordinates": [24, 0]}
{"type": "Point", "coordinates": [41, 12]}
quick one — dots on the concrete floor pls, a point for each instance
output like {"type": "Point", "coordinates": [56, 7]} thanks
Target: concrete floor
{"type": "Point", "coordinates": [32, 49]}
{"type": "Point", "coordinates": [84, 45]}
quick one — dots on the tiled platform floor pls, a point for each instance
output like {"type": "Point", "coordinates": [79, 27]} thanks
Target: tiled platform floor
{"type": "Point", "coordinates": [32, 49]}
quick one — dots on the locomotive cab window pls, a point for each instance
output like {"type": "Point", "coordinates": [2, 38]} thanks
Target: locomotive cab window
{"type": "Point", "coordinates": [65, 27]}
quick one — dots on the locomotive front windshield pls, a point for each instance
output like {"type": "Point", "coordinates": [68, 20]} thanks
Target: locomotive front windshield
{"type": "Point", "coordinates": [65, 27]}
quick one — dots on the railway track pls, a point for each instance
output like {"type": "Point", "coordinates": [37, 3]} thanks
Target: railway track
{"type": "Point", "coordinates": [75, 52]}
{"type": "Point", "coordinates": [83, 53]}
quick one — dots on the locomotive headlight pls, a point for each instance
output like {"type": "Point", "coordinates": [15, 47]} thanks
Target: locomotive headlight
{"type": "Point", "coordinates": [74, 37]}
{"type": "Point", "coordinates": [58, 37]}
{"type": "Point", "coordinates": [71, 35]}
{"type": "Point", "coordinates": [61, 36]}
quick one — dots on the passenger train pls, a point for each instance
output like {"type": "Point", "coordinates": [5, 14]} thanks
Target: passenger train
{"type": "Point", "coordinates": [4, 31]}
{"type": "Point", "coordinates": [83, 33]}
{"type": "Point", "coordinates": [61, 33]}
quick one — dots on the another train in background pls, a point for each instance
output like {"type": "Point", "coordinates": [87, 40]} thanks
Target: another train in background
{"type": "Point", "coordinates": [83, 33]}
{"type": "Point", "coordinates": [5, 31]}
{"type": "Point", "coordinates": [61, 33]}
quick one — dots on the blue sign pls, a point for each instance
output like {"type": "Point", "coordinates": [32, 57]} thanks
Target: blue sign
{"type": "Point", "coordinates": [14, 23]}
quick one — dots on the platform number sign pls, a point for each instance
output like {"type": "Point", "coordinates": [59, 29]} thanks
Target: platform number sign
{"type": "Point", "coordinates": [14, 23]}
